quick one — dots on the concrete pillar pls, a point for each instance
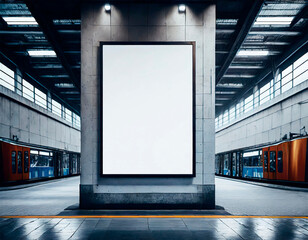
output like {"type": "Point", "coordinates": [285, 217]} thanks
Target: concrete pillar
{"type": "Point", "coordinates": [148, 22]}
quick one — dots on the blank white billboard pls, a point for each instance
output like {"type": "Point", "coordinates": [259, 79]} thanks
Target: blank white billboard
{"type": "Point", "coordinates": [147, 109]}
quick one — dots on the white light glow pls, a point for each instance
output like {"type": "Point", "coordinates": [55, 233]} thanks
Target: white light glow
{"type": "Point", "coordinates": [107, 7]}
{"type": "Point", "coordinates": [42, 53]}
{"type": "Point", "coordinates": [34, 152]}
{"type": "Point", "coordinates": [20, 20]}
{"type": "Point", "coordinates": [253, 53]}
{"type": "Point", "coordinates": [251, 154]}
{"type": "Point", "coordinates": [182, 8]}
{"type": "Point", "coordinates": [44, 153]}
{"type": "Point", "coordinates": [274, 20]}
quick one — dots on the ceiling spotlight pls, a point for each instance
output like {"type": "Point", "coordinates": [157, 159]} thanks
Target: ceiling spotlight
{"type": "Point", "coordinates": [182, 8]}
{"type": "Point", "coordinates": [107, 7]}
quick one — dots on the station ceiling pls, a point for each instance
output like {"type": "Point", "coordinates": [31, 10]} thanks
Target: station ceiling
{"type": "Point", "coordinates": [253, 38]}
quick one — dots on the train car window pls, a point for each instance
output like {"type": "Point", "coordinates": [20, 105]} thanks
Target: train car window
{"type": "Point", "coordinates": [272, 161]}
{"type": "Point", "coordinates": [13, 162]}
{"type": "Point", "coordinates": [280, 161]}
{"type": "Point", "coordinates": [266, 161]}
{"type": "Point", "coordinates": [40, 160]}
{"type": "Point", "coordinates": [26, 162]}
{"type": "Point", "coordinates": [19, 162]}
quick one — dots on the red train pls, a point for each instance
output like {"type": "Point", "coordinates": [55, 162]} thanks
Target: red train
{"type": "Point", "coordinates": [20, 162]}
{"type": "Point", "coordinates": [286, 161]}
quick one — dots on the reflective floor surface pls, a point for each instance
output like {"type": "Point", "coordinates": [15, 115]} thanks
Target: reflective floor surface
{"type": "Point", "coordinates": [153, 228]}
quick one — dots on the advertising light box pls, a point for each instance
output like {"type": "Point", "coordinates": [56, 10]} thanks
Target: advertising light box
{"type": "Point", "coordinates": [147, 109]}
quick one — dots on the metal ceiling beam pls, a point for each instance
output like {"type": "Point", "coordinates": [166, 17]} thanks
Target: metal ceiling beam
{"type": "Point", "coordinates": [244, 25]}
{"type": "Point", "coordinates": [302, 14]}
{"type": "Point", "coordinates": [300, 45]}
{"type": "Point", "coordinates": [26, 69]}
{"type": "Point", "coordinates": [53, 37]}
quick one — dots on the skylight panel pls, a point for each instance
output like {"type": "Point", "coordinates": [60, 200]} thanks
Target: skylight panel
{"type": "Point", "coordinates": [42, 53]}
{"type": "Point", "coordinates": [253, 53]}
{"type": "Point", "coordinates": [20, 20]}
{"type": "Point", "coordinates": [274, 20]}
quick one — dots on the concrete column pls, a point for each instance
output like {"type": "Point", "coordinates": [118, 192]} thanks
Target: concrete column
{"type": "Point", "coordinates": [147, 22]}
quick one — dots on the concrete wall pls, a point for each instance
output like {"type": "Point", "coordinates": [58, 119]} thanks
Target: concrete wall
{"type": "Point", "coordinates": [268, 123]}
{"type": "Point", "coordinates": [35, 125]}
{"type": "Point", "coordinates": [148, 22]}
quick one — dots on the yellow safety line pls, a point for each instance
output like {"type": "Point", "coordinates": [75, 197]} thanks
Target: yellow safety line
{"type": "Point", "coordinates": [155, 216]}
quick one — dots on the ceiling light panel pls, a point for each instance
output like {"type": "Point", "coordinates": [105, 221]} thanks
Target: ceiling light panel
{"type": "Point", "coordinates": [20, 20]}
{"type": "Point", "coordinates": [42, 53]}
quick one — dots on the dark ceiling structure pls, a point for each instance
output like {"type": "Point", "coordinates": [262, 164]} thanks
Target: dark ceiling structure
{"type": "Point", "coordinates": [253, 38]}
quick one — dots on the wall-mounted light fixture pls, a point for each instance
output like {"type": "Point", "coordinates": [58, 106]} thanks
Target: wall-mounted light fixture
{"type": "Point", "coordinates": [15, 138]}
{"type": "Point", "coordinates": [182, 8]}
{"type": "Point", "coordinates": [107, 7]}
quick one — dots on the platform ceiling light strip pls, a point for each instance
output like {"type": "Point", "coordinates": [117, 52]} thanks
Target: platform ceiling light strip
{"type": "Point", "coordinates": [253, 53]}
{"type": "Point", "coordinates": [42, 53]}
{"type": "Point", "coordinates": [274, 20]}
{"type": "Point", "coordinates": [20, 20]}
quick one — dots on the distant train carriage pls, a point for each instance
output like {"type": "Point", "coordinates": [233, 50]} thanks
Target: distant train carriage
{"type": "Point", "coordinates": [283, 161]}
{"type": "Point", "coordinates": [19, 162]}
{"type": "Point", "coordinates": [286, 161]}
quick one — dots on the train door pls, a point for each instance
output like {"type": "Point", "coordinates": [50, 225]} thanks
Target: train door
{"type": "Point", "coordinates": [26, 163]}
{"type": "Point", "coordinates": [58, 164]}
{"type": "Point", "coordinates": [272, 162]}
{"type": "Point", "coordinates": [19, 163]}
{"type": "Point", "coordinates": [282, 161]}
{"type": "Point", "coordinates": [265, 156]}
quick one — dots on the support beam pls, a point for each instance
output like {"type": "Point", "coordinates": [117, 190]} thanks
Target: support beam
{"type": "Point", "coordinates": [244, 26]}
{"type": "Point", "coordinates": [300, 45]}
{"type": "Point", "coordinates": [27, 70]}
{"type": "Point", "coordinates": [53, 37]}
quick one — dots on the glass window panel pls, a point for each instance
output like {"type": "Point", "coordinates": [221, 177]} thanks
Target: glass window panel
{"type": "Point", "coordinates": [265, 88]}
{"type": "Point", "coordinates": [232, 113]}
{"type": "Point", "coordinates": [301, 78]}
{"type": "Point", "coordinates": [286, 79]}
{"type": "Point", "coordinates": [248, 103]}
{"type": "Point", "coordinates": [7, 77]}
{"type": "Point", "coordinates": [280, 161]}
{"type": "Point", "coordinates": [272, 161]}
{"type": "Point", "coordinates": [26, 161]}
{"type": "Point", "coordinates": [19, 162]}
{"type": "Point", "coordinates": [27, 91]}
{"type": "Point", "coordinates": [265, 158]}
{"type": "Point", "coordinates": [264, 97]}
{"type": "Point", "coordinates": [286, 87]}
{"type": "Point", "coordinates": [13, 162]}
{"type": "Point", "coordinates": [56, 108]}
{"type": "Point", "coordinates": [226, 117]}
{"type": "Point", "coordinates": [302, 68]}
{"type": "Point", "coordinates": [302, 59]}
{"type": "Point", "coordinates": [68, 114]}
{"type": "Point", "coordinates": [40, 98]}
{"type": "Point", "coordinates": [286, 71]}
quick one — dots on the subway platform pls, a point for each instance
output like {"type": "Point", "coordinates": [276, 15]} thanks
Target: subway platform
{"type": "Point", "coordinates": [244, 211]}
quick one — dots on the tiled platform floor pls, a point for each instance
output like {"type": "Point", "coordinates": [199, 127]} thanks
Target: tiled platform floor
{"type": "Point", "coordinates": [154, 228]}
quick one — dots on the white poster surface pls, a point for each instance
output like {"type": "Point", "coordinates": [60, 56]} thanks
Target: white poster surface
{"type": "Point", "coordinates": [147, 109]}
